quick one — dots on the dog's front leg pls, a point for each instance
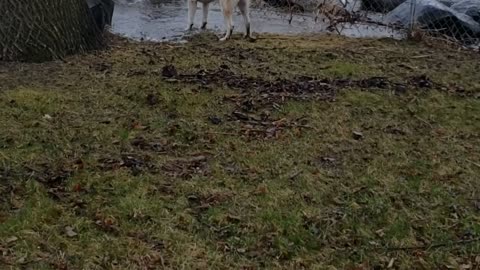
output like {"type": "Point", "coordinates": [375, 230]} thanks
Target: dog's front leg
{"type": "Point", "coordinates": [192, 8]}
{"type": "Point", "coordinates": [227, 7]}
{"type": "Point", "coordinates": [205, 15]}
{"type": "Point", "coordinates": [244, 6]}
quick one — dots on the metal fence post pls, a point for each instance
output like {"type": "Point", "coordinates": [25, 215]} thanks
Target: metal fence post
{"type": "Point", "coordinates": [413, 6]}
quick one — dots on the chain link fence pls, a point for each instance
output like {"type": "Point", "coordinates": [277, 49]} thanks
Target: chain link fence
{"type": "Point", "coordinates": [47, 29]}
{"type": "Point", "coordinates": [452, 20]}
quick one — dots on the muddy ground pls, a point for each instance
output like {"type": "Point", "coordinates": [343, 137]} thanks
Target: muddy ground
{"type": "Point", "coordinates": [289, 152]}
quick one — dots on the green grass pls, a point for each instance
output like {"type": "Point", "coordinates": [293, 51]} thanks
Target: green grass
{"type": "Point", "coordinates": [155, 184]}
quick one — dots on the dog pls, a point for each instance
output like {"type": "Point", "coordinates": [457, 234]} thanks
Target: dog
{"type": "Point", "coordinates": [228, 7]}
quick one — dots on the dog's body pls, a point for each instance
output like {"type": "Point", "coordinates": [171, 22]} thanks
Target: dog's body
{"type": "Point", "coordinates": [228, 7]}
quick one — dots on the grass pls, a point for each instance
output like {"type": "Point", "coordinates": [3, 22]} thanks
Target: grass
{"type": "Point", "coordinates": [105, 163]}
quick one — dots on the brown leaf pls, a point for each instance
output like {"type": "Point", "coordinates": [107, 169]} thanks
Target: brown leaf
{"type": "Point", "coordinates": [139, 126]}
{"type": "Point", "coordinates": [77, 188]}
{"type": "Point", "coordinates": [78, 165]}
{"type": "Point", "coordinates": [261, 190]}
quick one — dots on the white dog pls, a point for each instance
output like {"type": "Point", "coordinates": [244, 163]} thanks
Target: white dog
{"type": "Point", "coordinates": [228, 7]}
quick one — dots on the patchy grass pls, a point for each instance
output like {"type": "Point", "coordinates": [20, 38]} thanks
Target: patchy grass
{"type": "Point", "coordinates": [283, 153]}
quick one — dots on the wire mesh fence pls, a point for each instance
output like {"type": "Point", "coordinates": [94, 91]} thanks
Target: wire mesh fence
{"type": "Point", "coordinates": [452, 20]}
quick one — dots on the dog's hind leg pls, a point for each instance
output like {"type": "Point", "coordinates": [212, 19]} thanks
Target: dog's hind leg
{"type": "Point", "coordinates": [192, 8]}
{"type": "Point", "coordinates": [227, 8]}
{"type": "Point", "coordinates": [205, 15]}
{"type": "Point", "coordinates": [243, 5]}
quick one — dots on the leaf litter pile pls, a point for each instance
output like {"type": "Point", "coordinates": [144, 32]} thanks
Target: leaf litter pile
{"type": "Point", "coordinates": [257, 97]}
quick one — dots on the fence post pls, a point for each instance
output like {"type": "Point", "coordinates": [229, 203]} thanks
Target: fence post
{"type": "Point", "coordinates": [413, 6]}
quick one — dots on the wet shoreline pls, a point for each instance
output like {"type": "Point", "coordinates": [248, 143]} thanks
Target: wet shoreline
{"type": "Point", "coordinates": [166, 20]}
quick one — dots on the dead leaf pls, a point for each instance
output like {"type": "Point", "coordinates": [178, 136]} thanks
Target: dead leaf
{"type": "Point", "coordinates": [78, 165]}
{"type": "Point", "coordinates": [452, 263]}
{"type": "Point", "coordinates": [328, 159]}
{"type": "Point", "coordinates": [139, 126]}
{"type": "Point", "coordinates": [380, 233]}
{"type": "Point", "coordinates": [355, 206]}
{"type": "Point", "coordinates": [77, 188]}
{"type": "Point", "coordinates": [261, 190]}
{"type": "Point", "coordinates": [70, 232]}
{"type": "Point", "coordinates": [241, 250]}
{"type": "Point", "coordinates": [357, 135]}
{"type": "Point", "coordinates": [390, 264]}
{"type": "Point", "coordinates": [22, 260]}
{"type": "Point", "coordinates": [11, 239]}
{"type": "Point", "coordinates": [16, 202]}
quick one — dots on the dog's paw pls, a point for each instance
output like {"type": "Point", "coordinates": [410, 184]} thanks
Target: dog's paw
{"type": "Point", "coordinates": [249, 38]}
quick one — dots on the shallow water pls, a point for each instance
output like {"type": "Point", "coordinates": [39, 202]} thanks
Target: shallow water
{"type": "Point", "coordinates": [159, 20]}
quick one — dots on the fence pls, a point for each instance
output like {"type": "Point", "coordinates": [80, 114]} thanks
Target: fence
{"type": "Point", "coordinates": [453, 20]}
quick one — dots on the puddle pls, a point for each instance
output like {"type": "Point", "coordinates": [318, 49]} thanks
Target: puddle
{"type": "Point", "coordinates": [165, 20]}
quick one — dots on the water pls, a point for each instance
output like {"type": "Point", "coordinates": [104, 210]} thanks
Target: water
{"type": "Point", "coordinates": [165, 20]}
